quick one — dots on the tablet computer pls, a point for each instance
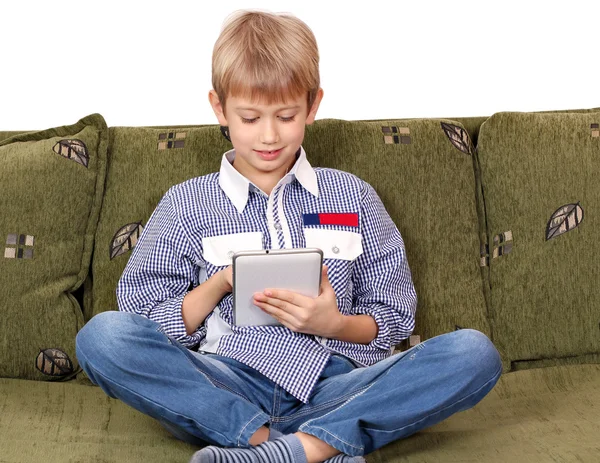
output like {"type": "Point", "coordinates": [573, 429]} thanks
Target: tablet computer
{"type": "Point", "coordinates": [297, 270]}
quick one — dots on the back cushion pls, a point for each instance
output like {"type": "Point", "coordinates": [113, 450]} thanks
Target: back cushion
{"type": "Point", "coordinates": [143, 164]}
{"type": "Point", "coordinates": [422, 169]}
{"type": "Point", "coordinates": [51, 187]}
{"type": "Point", "coordinates": [539, 175]}
{"type": "Point", "coordinates": [11, 133]}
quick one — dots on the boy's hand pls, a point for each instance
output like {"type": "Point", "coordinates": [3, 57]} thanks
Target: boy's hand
{"type": "Point", "coordinates": [319, 316]}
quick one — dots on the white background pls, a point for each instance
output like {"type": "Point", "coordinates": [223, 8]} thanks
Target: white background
{"type": "Point", "coordinates": [148, 63]}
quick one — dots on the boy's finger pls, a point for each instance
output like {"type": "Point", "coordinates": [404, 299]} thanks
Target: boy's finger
{"type": "Point", "coordinates": [284, 295]}
{"type": "Point", "coordinates": [280, 304]}
{"type": "Point", "coordinates": [277, 313]}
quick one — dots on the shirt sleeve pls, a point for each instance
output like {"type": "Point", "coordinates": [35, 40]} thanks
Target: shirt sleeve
{"type": "Point", "coordinates": [383, 286]}
{"type": "Point", "coordinates": [159, 274]}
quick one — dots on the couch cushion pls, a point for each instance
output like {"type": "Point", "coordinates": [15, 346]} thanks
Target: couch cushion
{"type": "Point", "coordinates": [143, 164]}
{"type": "Point", "coordinates": [426, 182]}
{"type": "Point", "coordinates": [68, 422]}
{"type": "Point", "coordinates": [539, 174]}
{"type": "Point", "coordinates": [11, 133]}
{"type": "Point", "coordinates": [424, 178]}
{"type": "Point", "coordinates": [542, 415]}
{"type": "Point", "coordinates": [51, 183]}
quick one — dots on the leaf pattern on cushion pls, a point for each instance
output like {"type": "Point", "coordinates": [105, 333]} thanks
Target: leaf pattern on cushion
{"type": "Point", "coordinates": [75, 150]}
{"type": "Point", "coordinates": [563, 220]}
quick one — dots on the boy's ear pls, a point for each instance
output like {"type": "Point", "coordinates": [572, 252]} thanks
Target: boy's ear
{"type": "Point", "coordinates": [217, 107]}
{"type": "Point", "coordinates": [313, 111]}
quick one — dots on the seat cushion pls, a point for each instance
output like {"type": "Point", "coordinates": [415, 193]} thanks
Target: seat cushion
{"type": "Point", "coordinates": [68, 422]}
{"type": "Point", "coordinates": [539, 415]}
{"type": "Point", "coordinates": [543, 415]}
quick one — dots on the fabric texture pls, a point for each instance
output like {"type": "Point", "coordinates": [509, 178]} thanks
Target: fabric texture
{"type": "Point", "coordinates": [539, 176]}
{"type": "Point", "coordinates": [543, 415]}
{"type": "Point", "coordinates": [11, 133]}
{"type": "Point", "coordinates": [52, 183]}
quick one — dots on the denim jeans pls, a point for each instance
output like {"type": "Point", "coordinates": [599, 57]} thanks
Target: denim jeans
{"type": "Point", "coordinates": [215, 399]}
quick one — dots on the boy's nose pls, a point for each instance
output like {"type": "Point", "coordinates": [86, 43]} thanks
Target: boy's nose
{"type": "Point", "coordinates": [269, 133]}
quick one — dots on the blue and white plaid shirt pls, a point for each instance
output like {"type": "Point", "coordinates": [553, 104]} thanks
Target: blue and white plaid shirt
{"type": "Point", "coordinates": [198, 225]}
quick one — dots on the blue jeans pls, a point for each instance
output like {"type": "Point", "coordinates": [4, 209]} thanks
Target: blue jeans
{"type": "Point", "coordinates": [215, 399]}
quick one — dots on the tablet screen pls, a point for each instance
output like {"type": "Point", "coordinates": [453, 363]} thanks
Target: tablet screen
{"type": "Point", "coordinates": [297, 270]}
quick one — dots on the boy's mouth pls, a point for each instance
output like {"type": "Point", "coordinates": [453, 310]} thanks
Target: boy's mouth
{"type": "Point", "coordinates": [269, 155]}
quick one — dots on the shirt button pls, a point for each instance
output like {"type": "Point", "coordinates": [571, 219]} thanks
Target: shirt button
{"type": "Point", "coordinates": [277, 226]}
{"type": "Point", "coordinates": [335, 249]}
{"type": "Point", "coordinates": [230, 254]}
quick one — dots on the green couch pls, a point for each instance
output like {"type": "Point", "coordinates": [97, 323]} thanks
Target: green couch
{"type": "Point", "coordinates": [500, 217]}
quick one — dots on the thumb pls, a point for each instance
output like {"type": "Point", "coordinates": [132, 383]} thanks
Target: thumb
{"type": "Point", "coordinates": [325, 284]}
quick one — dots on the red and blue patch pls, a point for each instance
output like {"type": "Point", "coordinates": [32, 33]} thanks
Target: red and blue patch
{"type": "Point", "coordinates": [331, 218]}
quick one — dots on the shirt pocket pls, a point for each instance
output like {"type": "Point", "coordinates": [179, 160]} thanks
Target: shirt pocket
{"type": "Point", "coordinates": [335, 244]}
{"type": "Point", "coordinates": [219, 250]}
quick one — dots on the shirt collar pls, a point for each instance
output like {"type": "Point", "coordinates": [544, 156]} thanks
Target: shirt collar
{"type": "Point", "coordinates": [236, 186]}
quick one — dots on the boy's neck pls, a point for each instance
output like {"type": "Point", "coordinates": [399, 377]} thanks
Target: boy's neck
{"type": "Point", "coordinates": [266, 181]}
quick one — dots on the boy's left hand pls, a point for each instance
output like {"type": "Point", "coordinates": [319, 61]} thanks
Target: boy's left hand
{"type": "Point", "coordinates": [319, 316]}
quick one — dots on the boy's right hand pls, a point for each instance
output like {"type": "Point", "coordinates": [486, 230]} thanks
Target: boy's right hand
{"type": "Point", "coordinates": [203, 299]}
{"type": "Point", "coordinates": [226, 279]}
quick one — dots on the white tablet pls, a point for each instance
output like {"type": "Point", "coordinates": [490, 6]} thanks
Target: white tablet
{"type": "Point", "coordinates": [297, 270]}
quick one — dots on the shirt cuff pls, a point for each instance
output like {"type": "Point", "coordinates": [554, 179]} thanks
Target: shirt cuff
{"type": "Point", "coordinates": [385, 318]}
{"type": "Point", "coordinates": [168, 314]}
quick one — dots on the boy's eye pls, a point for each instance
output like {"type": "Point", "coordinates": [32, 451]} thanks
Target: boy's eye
{"type": "Point", "coordinates": [281, 118]}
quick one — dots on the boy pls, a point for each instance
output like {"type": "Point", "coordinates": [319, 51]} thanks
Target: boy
{"type": "Point", "coordinates": [322, 387]}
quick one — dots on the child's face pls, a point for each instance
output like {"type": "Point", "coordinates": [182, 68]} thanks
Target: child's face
{"type": "Point", "coordinates": [265, 137]}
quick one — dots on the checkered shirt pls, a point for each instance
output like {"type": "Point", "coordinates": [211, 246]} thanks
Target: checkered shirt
{"type": "Point", "coordinates": [366, 261]}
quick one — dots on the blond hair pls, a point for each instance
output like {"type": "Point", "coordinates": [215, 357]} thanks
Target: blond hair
{"type": "Point", "coordinates": [266, 57]}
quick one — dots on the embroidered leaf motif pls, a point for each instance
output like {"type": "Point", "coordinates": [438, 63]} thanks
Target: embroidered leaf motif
{"type": "Point", "coordinates": [125, 239]}
{"type": "Point", "coordinates": [54, 362]}
{"type": "Point", "coordinates": [564, 219]}
{"type": "Point", "coordinates": [459, 137]}
{"type": "Point", "coordinates": [74, 150]}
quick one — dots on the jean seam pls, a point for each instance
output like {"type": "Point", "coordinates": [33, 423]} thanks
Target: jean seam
{"type": "Point", "coordinates": [276, 403]}
{"type": "Point", "coordinates": [159, 406]}
{"type": "Point", "coordinates": [307, 425]}
{"type": "Point", "coordinates": [307, 411]}
{"type": "Point", "coordinates": [245, 426]}
{"type": "Point", "coordinates": [361, 448]}
{"type": "Point", "coordinates": [215, 382]}
{"type": "Point", "coordinates": [221, 385]}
